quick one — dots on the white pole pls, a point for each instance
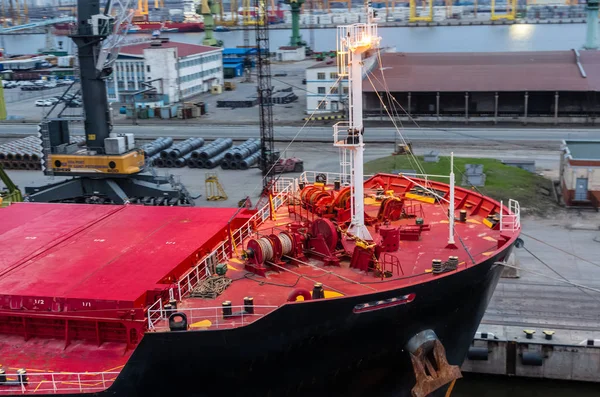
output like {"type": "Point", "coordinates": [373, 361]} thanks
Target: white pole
{"type": "Point", "coordinates": [357, 227]}
{"type": "Point", "coordinates": [451, 204]}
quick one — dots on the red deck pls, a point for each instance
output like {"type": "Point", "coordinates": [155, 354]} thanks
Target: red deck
{"type": "Point", "coordinates": [475, 242]}
{"type": "Point", "coordinates": [99, 257]}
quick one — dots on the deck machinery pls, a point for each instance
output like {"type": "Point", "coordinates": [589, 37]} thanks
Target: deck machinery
{"type": "Point", "coordinates": [109, 169]}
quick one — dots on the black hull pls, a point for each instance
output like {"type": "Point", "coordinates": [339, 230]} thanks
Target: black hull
{"type": "Point", "coordinates": [315, 348]}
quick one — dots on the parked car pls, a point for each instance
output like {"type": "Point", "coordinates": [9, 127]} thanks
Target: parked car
{"type": "Point", "coordinates": [53, 100]}
{"type": "Point", "coordinates": [74, 103]}
{"type": "Point", "coordinates": [43, 103]}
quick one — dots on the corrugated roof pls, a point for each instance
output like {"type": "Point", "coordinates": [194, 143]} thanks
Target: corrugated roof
{"type": "Point", "coordinates": [583, 150]}
{"type": "Point", "coordinates": [498, 71]}
{"type": "Point", "coordinates": [324, 64]}
{"type": "Point", "coordinates": [183, 49]}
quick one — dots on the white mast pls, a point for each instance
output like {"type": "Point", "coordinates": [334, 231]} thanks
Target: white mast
{"type": "Point", "coordinates": [353, 41]}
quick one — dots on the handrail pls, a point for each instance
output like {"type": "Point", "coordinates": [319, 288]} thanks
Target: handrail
{"type": "Point", "coordinates": [212, 317]}
{"type": "Point", "coordinates": [58, 382]}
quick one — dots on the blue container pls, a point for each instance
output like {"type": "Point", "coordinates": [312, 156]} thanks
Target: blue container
{"type": "Point", "coordinates": [122, 110]}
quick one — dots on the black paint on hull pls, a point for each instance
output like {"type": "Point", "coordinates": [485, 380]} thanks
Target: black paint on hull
{"type": "Point", "coordinates": [315, 348]}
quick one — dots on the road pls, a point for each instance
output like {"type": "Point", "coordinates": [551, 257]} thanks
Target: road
{"type": "Point", "coordinates": [324, 134]}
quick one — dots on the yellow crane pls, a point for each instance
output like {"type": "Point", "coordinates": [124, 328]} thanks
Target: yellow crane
{"type": "Point", "coordinates": [413, 17]}
{"type": "Point", "coordinates": [511, 11]}
{"type": "Point", "coordinates": [143, 8]}
{"type": "Point", "coordinates": [233, 8]}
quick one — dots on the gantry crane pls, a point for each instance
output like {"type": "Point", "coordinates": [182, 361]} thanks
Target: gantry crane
{"type": "Point", "coordinates": [510, 14]}
{"type": "Point", "coordinates": [413, 17]}
{"type": "Point", "coordinates": [233, 8]}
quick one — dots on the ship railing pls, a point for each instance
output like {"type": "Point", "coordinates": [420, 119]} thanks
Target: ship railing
{"type": "Point", "coordinates": [208, 318]}
{"type": "Point", "coordinates": [203, 269]}
{"type": "Point", "coordinates": [206, 266]}
{"type": "Point", "coordinates": [510, 222]}
{"type": "Point", "coordinates": [57, 382]}
{"type": "Point", "coordinates": [311, 176]}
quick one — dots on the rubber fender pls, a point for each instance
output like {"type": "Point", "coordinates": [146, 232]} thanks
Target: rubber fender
{"type": "Point", "coordinates": [299, 292]}
{"type": "Point", "coordinates": [519, 243]}
{"type": "Point", "coordinates": [478, 353]}
{"type": "Point", "coordinates": [178, 322]}
{"type": "Point", "coordinates": [533, 359]}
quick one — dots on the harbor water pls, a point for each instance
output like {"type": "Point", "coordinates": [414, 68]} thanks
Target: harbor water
{"type": "Point", "coordinates": [521, 37]}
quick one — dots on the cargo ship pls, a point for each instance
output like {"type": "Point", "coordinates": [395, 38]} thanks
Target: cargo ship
{"type": "Point", "coordinates": [335, 283]}
{"type": "Point", "coordinates": [182, 27]}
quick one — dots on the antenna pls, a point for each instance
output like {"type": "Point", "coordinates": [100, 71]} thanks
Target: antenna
{"type": "Point", "coordinates": [353, 41]}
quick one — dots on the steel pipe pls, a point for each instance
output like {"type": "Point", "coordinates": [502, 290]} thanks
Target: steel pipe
{"type": "Point", "coordinates": [249, 161]}
{"type": "Point", "coordinates": [185, 147]}
{"type": "Point", "coordinates": [214, 148]}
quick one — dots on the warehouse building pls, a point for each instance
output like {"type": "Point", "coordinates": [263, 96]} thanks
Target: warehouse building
{"type": "Point", "coordinates": [580, 173]}
{"type": "Point", "coordinates": [176, 70]}
{"type": "Point", "coordinates": [542, 87]}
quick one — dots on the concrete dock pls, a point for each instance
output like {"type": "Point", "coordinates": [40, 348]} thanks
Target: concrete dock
{"type": "Point", "coordinates": [536, 303]}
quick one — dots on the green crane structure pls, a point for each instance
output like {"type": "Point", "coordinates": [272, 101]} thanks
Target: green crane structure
{"type": "Point", "coordinates": [296, 38]}
{"type": "Point", "coordinates": [208, 9]}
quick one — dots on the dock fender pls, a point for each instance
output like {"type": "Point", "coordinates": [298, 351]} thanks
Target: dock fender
{"type": "Point", "coordinates": [299, 292]}
{"type": "Point", "coordinates": [478, 353]}
{"type": "Point", "coordinates": [534, 359]}
{"type": "Point", "coordinates": [519, 243]}
{"type": "Point", "coordinates": [178, 322]}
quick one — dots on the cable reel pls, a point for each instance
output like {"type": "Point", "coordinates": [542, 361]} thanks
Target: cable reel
{"type": "Point", "coordinates": [269, 248]}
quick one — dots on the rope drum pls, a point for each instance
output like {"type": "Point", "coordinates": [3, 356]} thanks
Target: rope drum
{"type": "Point", "coordinates": [266, 247]}
{"type": "Point", "coordinates": [286, 243]}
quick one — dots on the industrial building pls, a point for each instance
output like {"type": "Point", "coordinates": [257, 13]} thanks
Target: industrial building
{"type": "Point", "coordinates": [324, 93]}
{"type": "Point", "coordinates": [177, 71]}
{"type": "Point", "coordinates": [542, 86]}
{"type": "Point", "coordinates": [580, 173]}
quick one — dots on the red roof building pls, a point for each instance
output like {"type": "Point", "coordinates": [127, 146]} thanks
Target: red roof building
{"type": "Point", "coordinates": [541, 86]}
{"type": "Point", "coordinates": [177, 71]}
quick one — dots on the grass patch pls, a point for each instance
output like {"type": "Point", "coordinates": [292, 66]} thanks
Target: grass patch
{"type": "Point", "coordinates": [502, 182]}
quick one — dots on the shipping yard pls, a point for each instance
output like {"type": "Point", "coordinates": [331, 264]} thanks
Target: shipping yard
{"type": "Point", "coordinates": [170, 191]}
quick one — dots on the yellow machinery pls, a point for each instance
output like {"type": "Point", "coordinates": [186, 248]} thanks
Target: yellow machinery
{"type": "Point", "coordinates": [123, 164]}
{"type": "Point", "coordinates": [143, 8]}
{"type": "Point", "coordinates": [412, 16]}
{"type": "Point", "coordinates": [511, 11]}
{"type": "Point", "coordinates": [214, 190]}
{"type": "Point", "coordinates": [247, 18]}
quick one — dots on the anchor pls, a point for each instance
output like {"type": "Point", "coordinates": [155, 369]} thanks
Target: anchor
{"type": "Point", "coordinates": [430, 364]}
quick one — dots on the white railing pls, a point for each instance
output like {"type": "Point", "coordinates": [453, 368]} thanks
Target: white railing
{"type": "Point", "coordinates": [203, 269]}
{"type": "Point", "coordinates": [284, 188]}
{"type": "Point", "coordinates": [309, 177]}
{"type": "Point", "coordinates": [510, 222]}
{"type": "Point", "coordinates": [344, 128]}
{"type": "Point", "coordinates": [212, 317]}
{"type": "Point", "coordinates": [59, 383]}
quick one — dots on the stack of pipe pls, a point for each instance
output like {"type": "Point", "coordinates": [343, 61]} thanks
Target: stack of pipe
{"type": "Point", "coordinates": [235, 155]}
{"type": "Point", "coordinates": [21, 154]}
{"type": "Point", "coordinates": [154, 148]}
{"type": "Point", "coordinates": [210, 155]}
{"type": "Point", "coordinates": [175, 156]}
{"type": "Point", "coordinates": [185, 147]}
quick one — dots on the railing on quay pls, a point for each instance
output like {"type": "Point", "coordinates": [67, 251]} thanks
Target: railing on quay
{"type": "Point", "coordinates": [57, 382]}
{"type": "Point", "coordinates": [213, 318]}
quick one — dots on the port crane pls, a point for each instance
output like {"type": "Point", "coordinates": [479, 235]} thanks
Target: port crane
{"type": "Point", "coordinates": [109, 168]}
